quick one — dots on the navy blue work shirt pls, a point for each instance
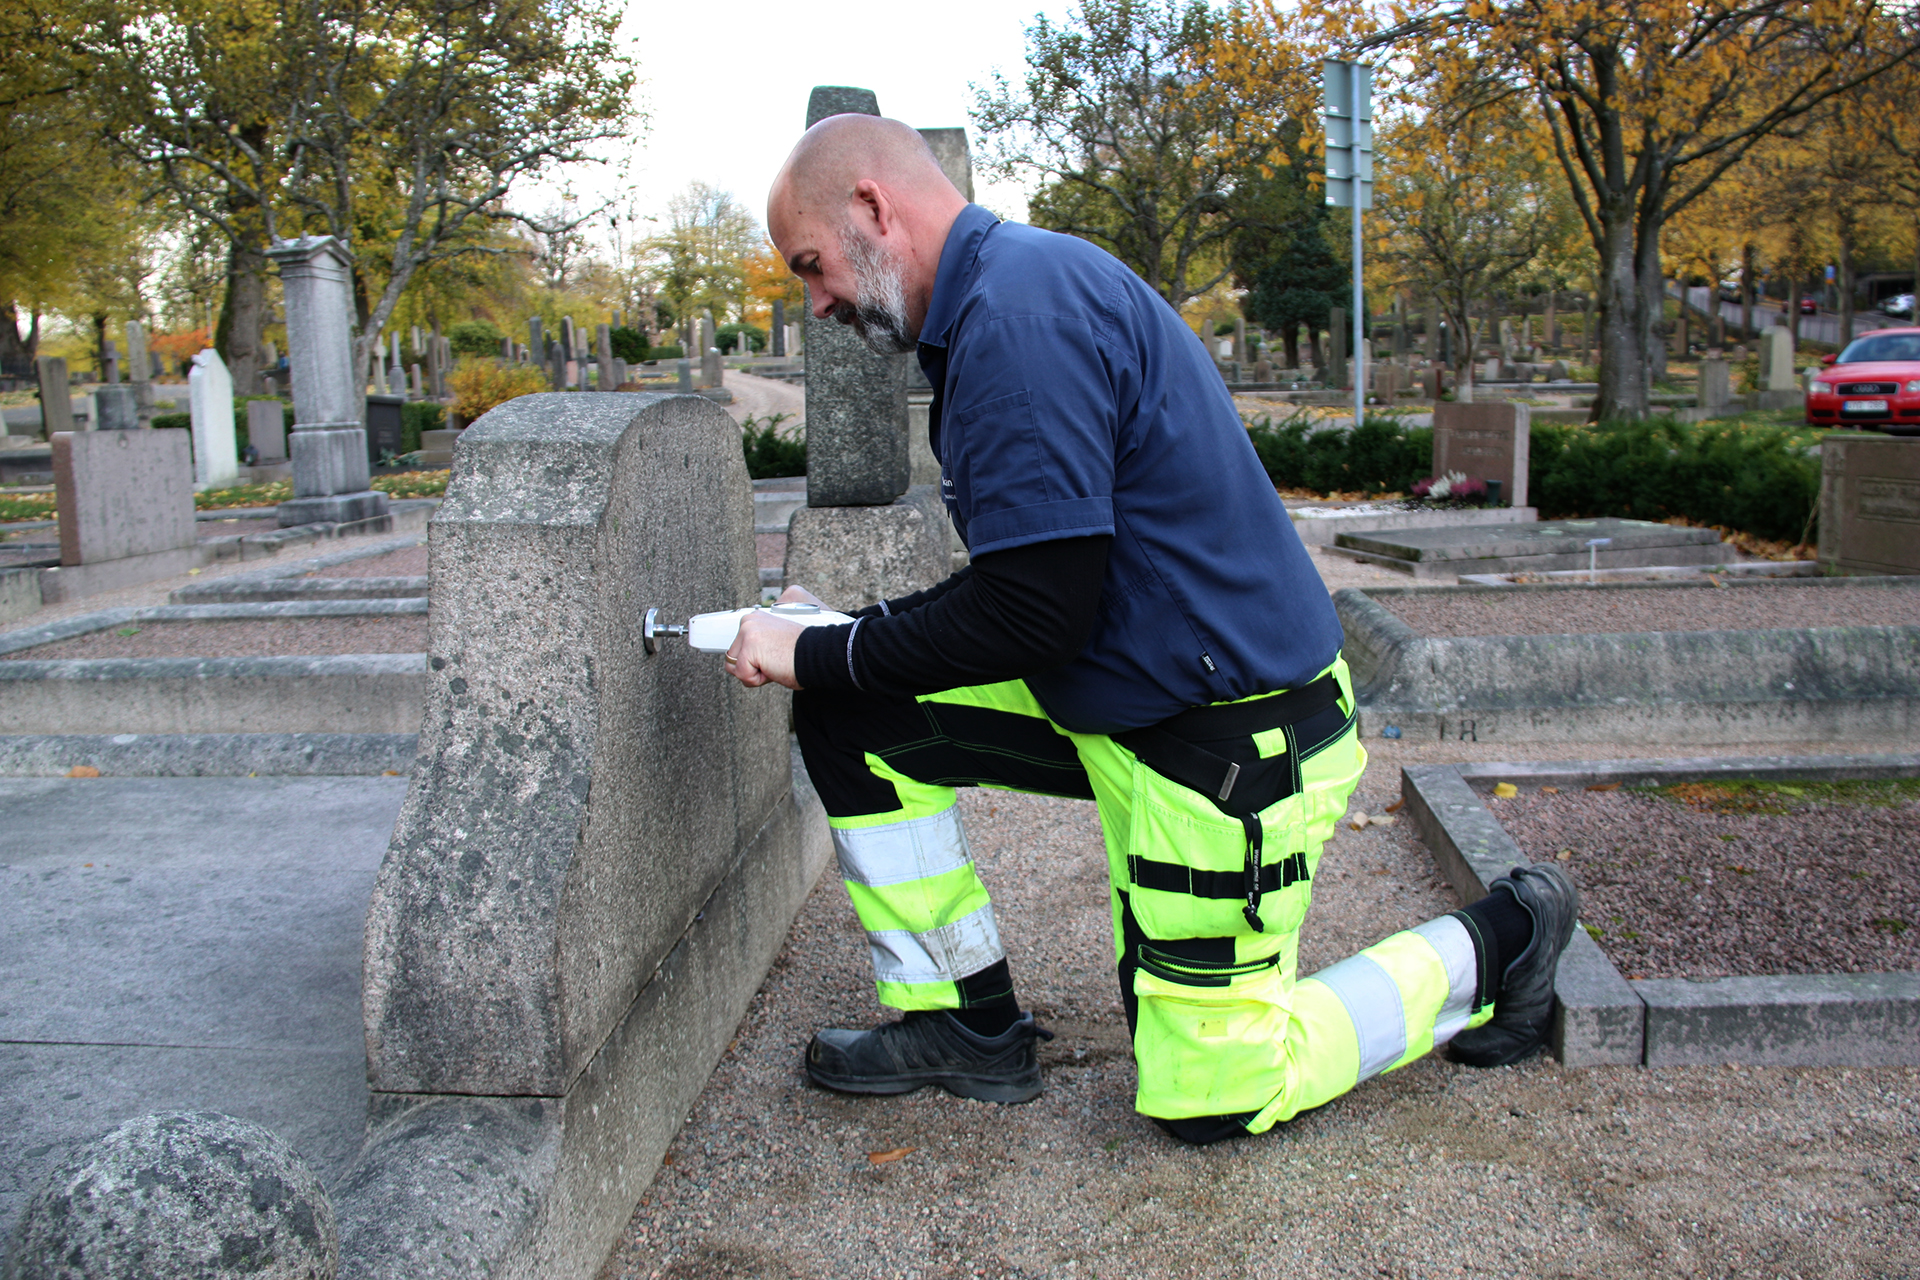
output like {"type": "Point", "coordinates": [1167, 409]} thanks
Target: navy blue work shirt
{"type": "Point", "coordinates": [1070, 401]}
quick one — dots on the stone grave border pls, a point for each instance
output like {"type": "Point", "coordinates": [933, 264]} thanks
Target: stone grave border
{"type": "Point", "coordinates": [1602, 1018]}
{"type": "Point", "coordinates": [1701, 686]}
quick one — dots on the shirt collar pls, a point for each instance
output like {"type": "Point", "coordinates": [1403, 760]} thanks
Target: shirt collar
{"type": "Point", "coordinates": [957, 257]}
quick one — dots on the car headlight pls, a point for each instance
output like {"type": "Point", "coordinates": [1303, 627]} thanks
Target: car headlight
{"type": "Point", "coordinates": [1914, 385]}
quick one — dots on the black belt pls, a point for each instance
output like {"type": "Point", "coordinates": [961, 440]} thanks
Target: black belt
{"type": "Point", "coordinates": [1238, 790]}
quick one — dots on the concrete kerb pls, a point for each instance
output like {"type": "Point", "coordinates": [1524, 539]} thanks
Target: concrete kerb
{"type": "Point", "coordinates": [1700, 686]}
{"type": "Point", "coordinates": [246, 585]}
{"type": "Point", "coordinates": [207, 755]}
{"type": "Point", "coordinates": [1603, 1018]}
{"type": "Point", "coordinates": [101, 620]}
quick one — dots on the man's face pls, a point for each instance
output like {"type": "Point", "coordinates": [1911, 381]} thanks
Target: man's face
{"type": "Point", "coordinates": [854, 279]}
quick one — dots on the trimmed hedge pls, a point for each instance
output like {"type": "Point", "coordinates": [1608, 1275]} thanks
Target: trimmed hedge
{"type": "Point", "coordinates": [1381, 456]}
{"type": "Point", "coordinates": [1758, 478]}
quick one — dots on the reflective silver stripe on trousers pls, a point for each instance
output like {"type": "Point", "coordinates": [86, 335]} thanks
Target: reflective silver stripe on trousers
{"type": "Point", "coordinates": [902, 851]}
{"type": "Point", "coordinates": [1373, 1003]}
{"type": "Point", "coordinates": [946, 954]}
{"type": "Point", "coordinates": [1450, 940]}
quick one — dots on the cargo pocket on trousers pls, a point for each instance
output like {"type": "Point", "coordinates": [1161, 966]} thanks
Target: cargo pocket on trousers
{"type": "Point", "coordinates": [1210, 1038]}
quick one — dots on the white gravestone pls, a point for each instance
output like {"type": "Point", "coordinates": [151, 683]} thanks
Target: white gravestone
{"type": "Point", "coordinates": [216, 462]}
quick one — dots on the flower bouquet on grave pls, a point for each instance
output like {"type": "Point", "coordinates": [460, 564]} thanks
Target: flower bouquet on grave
{"type": "Point", "coordinates": [1455, 489]}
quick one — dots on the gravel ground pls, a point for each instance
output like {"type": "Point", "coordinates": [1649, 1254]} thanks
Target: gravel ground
{"type": "Point", "coordinates": [407, 562]}
{"type": "Point", "coordinates": [1435, 1170]}
{"type": "Point", "coordinates": [242, 638]}
{"type": "Point", "coordinates": [771, 549]}
{"type": "Point", "coordinates": [1699, 890]}
{"type": "Point", "coordinates": [227, 526]}
{"type": "Point", "coordinates": [1556, 611]}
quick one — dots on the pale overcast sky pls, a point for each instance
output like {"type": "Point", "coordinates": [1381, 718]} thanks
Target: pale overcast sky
{"type": "Point", "coordinates": [726, 83]}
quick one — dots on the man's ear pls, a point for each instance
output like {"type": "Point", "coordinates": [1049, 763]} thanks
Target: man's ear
{"type": "Point", "coordinates": [872, 201]}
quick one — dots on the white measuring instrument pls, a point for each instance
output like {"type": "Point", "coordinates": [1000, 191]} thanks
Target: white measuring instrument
{"type": "Point", "coordinates": [714, 632]}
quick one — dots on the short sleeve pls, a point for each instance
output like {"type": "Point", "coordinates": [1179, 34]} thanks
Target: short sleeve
{"type": "Point", "coordinates": [1028, 439]}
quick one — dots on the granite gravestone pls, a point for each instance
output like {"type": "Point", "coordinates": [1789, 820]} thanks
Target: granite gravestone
{"type": "Point", "coordinates": [140, 370]}
{"type": "Point", "coordinates": [600, 852]}
{"type": "Point", "coordinates": [125, 503]}
{"type": "Point", "coordinates": [386, 428]}
{"type": "Point", "coordinates": [115, 408]}
{"type": "Point", "coordinates": [603, 352]}
{"type": "Point", "coordinates": [329, 444]}
{"type": "Point", "coordinates": [267, 430]}
{"type": "Point", "coordinates": [1486, 441]}
{"type": "Point", "coordinates": [777, 335]}
{"type": "Point", "coordinates": [216, 460]}
{"type": "Point", "coordinates": [1776, 360]}
{"type": "Point", "coordinates": [1336, 373]}
{"type": "Point", "coordinates": [1870, 503]}
{"type": "Point", "coordinates": [109, 362]}
{"type": "Point", "coordinates": [56, 394]}
{"type": "Point", "coordinates": [1715, 385]}
{"type": "Point", "coordinates": [856, 399]}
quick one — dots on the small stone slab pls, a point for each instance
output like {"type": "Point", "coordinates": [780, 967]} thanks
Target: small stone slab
{"type": "Point", "coordinates": [1794, 1020]}
{"type": "Point", "coordinates": [1524, 541]}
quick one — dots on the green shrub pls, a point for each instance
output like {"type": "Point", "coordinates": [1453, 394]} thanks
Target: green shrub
{"type": "Point", "coordinates": [728, 336]}
{"type": "Point", "coordinates": [417, 416]}
{"type": "Point", "coordinates": [475, 338]}
{"type": "Point", "coordinates": [666, 353]}
{"type": "Point", "coordinates": [1758, 478]}
{"type": "Point", "coordinates": [1382, 456]}
{"type": "Point", "coordinates": [628, 344]}
{"type": "Point", "coordinates": [770, 454]}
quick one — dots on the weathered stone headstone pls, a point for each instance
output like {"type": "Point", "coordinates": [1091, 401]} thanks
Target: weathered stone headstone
{"type": "Point", "coordinates": [777, 334]}
{"type": "Point", "coordinates": [950, 149]}
{"type": "Point", "coordinates": [1870, 503]}
{"type": "Point", "coordinates": [56, 394]}
{"type": "Point", "coordinates": [683, 376]}
{"type": "Point", "coordinates": [539, 1044]}
{"type": "Point", "coordinates": [1715, 385]}
{"type": "Point", "coordinates": [1776, 359]}
{"type": "Point", "coordinates": [109, 362]}
{"type": "Point", "coordinates": [603, 350]}
{"type": "Point", "coordinates": [712, 372]}
{"type": "Point", "coordinates": [1239, 340]}
{"type": "Point", "coordinates": [568, 339]}
{"type": "Point", "coordinates": [1557, 371]}
{"type": "Point", "coordinates": [140, 370]}
{"type": "Point", "coordinates": [557, 366]}
{"type": "Point", "coordinates": [1486, 441]}
{"type": "Point", "coordinates": [216, 460]}
{"type": "Point", "coordinates": [536, 340]}
{"type": "Point", "coordinates": [619, 374]}
{"type": "Point", "coordinates": [125, 502]}
{"type": "Point", "coordinates": [417, 386]}
{"type": "Point", "coordinates": [1263, 370]}
{"type": "Point", "coordinates": [1493, 370]}
{"type": "Point", "coordinates": [116, 408]}
{"type": "Point", "coordinates": [267, 430]}
{"type": "Point", "coordinates": [329, 443]}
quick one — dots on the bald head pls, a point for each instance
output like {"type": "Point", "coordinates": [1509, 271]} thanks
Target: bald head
{"type": "Point", "coordinates": [861, 208]}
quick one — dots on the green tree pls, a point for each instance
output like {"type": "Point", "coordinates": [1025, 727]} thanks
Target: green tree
{"type": "Point", "coordinates": [1296, 280]}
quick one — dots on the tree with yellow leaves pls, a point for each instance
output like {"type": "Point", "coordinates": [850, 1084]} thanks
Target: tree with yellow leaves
{"type": "Point", "coordinates": [1649, 104]}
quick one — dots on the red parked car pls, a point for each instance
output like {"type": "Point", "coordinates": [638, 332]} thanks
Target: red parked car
{"type": "Point", "coordinates": [1875, 382]}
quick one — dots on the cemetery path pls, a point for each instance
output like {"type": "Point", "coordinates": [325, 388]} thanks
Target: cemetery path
{"type": "Point", "coordinates": [764, 397]}
{"type": "Point", "coordinates": [1431, 1170]}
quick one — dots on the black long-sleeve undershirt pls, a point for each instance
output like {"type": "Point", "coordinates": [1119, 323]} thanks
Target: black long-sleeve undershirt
{"type": "Point", "coordinates": [1007, 615]}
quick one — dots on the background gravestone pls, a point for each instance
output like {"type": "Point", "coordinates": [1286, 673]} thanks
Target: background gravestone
{"type": "Point", "coordinates": [777, 335]}
{"type": "Point", "coordinates": [1716, 385]}
{"type": "Point", "coordinates": [116, 407]}
{"type": "Point", "coordinates": [125, 502]}
{"type": "Point", "coordinates": [1870, 502]}
{"type": "Point", "coordinates": [267, 429]}
{"type": "Point", "coordinates": [56, 395]}
{"type": "Point", "coordinates": [1488, 441]}
{"type": "Point", "coordinates": [216, 460]}
{"type": "Point", "coordinates": [329, 443]}
{"type": "Point", "coordinates": [600, 850]}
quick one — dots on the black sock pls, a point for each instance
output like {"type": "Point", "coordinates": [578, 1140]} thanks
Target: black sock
{"type": "Point", "coordinates": [1503, 929]}
{"type": "Point", "coordinates": [988, 1003]}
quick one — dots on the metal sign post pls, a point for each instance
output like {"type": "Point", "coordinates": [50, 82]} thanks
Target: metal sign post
{"type": "Point", "coordinates": [1348, 116]}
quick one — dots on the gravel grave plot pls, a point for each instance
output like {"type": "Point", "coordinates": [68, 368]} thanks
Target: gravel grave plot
{"type": "Point", "coordinates": [1558, 611]}
{"type": "Point", "coordinates": [242, 638]}
{"type": "Point", "coordinates": [1706, 883]}
{"type": "Point", "coordinates": [1433, 1170]}
{"type": "Point", "coordinates": [407, 562]}
{"type": "Point", "coordinates": [770, 549]}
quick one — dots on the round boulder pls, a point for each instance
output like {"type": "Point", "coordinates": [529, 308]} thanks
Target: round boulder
{"type": "Point", "coordinates": [179, 1194]}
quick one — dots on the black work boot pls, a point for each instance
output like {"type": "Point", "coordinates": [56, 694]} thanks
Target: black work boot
{"type": "Point", "coordinates": [1523, 1006]}
{"type": "Point", "coordinates": [929, 1046]}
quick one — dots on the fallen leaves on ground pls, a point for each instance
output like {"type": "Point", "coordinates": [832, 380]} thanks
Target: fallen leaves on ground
{"type": "Point", "coordinates": [83, 771]}
{"type": "Point", "coordinates": [1604, 786]}
{"type": "Point", "coordinates": [1505, 790]}
{"type": "Point", "coordinates": [888, 1157]}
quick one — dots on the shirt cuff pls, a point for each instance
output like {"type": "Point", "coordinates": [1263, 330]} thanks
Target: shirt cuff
{"type": "Point", "coordinates": [1040, 522]}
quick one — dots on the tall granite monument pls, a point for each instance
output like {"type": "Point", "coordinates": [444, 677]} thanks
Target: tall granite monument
{"type": "Point", "coordinates": [329, 444]}
{"type": "Point", "coordinates": [864, 534]}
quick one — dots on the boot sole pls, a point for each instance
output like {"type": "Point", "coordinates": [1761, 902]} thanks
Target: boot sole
{"type": "Point", "coordinates": [977, 1088]}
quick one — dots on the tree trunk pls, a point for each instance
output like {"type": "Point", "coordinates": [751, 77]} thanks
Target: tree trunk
{"type": "Point", "coordinates": [17, 353]}
{"type": "Point", "coordinates": [238, 338]}
{"type": "Point", "coordinates": [1847, 234]}
{"type": "Point", "coordinates": [1793, 307]}
{"type": "Point", "coordinates": [1625, 325]}
{"type": "Point", "coordinates": [1747, 333]}
{"type": "Point", "coordinates": [1290, 341]}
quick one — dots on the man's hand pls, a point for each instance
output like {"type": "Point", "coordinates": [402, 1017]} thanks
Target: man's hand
{"type": "Point", "coordinates": [763, 651]}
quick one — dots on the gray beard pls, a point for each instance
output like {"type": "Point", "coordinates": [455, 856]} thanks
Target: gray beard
{"type": "Point", "coordinates": [878, 312]}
